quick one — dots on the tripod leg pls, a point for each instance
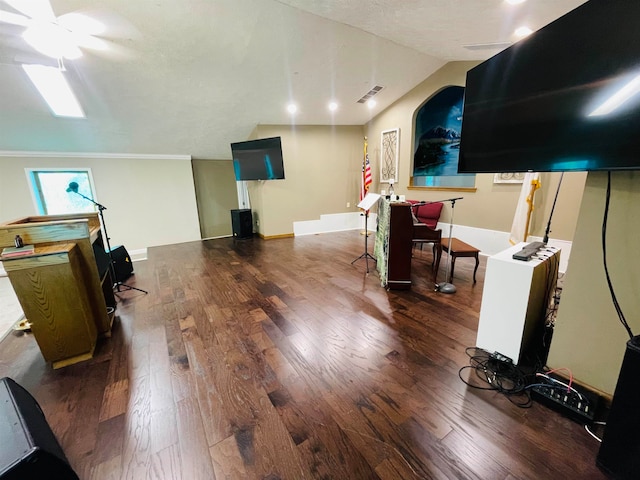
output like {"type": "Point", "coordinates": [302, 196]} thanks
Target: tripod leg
{"type": "Point", "coordinates": [128, 287]}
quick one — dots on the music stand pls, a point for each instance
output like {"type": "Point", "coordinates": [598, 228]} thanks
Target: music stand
{"type": "Point", "coordinates": [367, 202]}
{"type": "Point", "coordinates": [447, 287]}
{"type": "Point", "coordinates": [117, 285]}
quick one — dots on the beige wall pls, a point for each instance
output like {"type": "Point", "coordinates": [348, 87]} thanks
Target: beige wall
{"type": "Point", "coordinates": [322, 167]}
{"type": "Point", "coordinates": [588, 337]}
{"type": "Point", "coordinates": [216, 195]}
{"type": "Point", "coordinates": [149, 201]}
{"type": "Point", "coordinates": [491, 206]}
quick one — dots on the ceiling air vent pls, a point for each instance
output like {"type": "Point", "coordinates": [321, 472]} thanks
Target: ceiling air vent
{"type": "Point", "coordinates": [487, 46]}
{"type": "Point", "coordinates": [374, 91]}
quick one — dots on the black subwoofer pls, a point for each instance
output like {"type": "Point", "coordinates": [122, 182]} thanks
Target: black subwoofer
{"type": "Point", "coordinates": [619, 453]}
{"type": "Point", "coordinates": [242, 223]}
{"type": "Point", "coordinates": [29, 447]}
{"type": "Point", "coordinates": [122, 264]}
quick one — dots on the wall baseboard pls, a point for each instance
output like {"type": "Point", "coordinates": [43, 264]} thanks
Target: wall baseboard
{"type": "Point", "coordinates": [335, 222]}
{"type": "Point", "coordinates": [489, 242]}
{"type": "Point", "coordinates": [274, 237]}
{"type": "Point", "coordinates": [138, 255]}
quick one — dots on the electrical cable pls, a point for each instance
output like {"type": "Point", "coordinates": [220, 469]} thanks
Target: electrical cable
{"type": "Point", "coordinates": [621, 316]}
{"type": "Point", "coordinates": [586, 427]}
{"type": "Point", "coordinates": [501, 376]}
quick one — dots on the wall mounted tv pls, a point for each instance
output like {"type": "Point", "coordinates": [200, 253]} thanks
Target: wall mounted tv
{"type": "Point", "coordinates": [258, 159]}
{"type": "Point", "coordinates": [534, 106]}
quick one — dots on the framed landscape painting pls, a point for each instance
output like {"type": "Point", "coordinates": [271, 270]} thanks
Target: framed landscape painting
{"type": "Point", "coordinates": [437, 142]}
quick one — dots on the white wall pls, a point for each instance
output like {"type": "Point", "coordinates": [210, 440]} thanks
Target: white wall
{"type": "Point", "coordinates": [150, 200]}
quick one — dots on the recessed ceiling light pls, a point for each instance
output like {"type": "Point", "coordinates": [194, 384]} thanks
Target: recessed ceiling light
{"type": "Point", "coordinates": [523, 32]}
{"type": "Point", "coordinates": [371, 103]}
{"type": "Point", "coordinates": [292, 108]}
{"type": "Point", "coordinates": [333, 106]}
{"type": "Point", "coordinates": [515, 2]}
{"type": "Point", "coordinates": [55, 90]}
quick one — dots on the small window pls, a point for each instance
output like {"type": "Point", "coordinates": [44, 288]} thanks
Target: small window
{"type": "Point", "coordinates": [51, 193]}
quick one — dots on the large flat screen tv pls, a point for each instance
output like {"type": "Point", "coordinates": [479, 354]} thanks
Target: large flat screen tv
{"type": "Point", "coordinates": [258, 159]}
{"type": "Point", "coordinates": [534, 106]}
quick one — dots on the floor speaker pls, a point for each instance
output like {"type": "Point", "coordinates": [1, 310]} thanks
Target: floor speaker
{"type": "Point", "coordinates": [122, 264]}
{"type": "Point", "coordinates": [29, 447]}
{"type": "Point", "coordinates": [242, 223]}
{"type": "Point", "coordinates": [619, 453]}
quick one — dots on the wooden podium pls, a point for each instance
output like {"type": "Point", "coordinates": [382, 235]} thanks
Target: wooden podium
{"type": "Point", "coordinates": [65, 287]}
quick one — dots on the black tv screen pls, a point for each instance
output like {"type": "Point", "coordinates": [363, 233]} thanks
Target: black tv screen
{"type": "Point", "coordinates": [258, 159]}
{"type": "Point", "coordinates": [534, 106]}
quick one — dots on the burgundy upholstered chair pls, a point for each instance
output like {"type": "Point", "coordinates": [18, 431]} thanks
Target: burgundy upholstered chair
{"type": "Point", "coordinates": [425, 221]}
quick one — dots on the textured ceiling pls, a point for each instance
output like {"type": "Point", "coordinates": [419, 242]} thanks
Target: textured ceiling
{"type": "Point", "coordinates": [191, 76]}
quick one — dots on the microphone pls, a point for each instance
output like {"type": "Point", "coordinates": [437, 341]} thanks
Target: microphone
{"type": "Point", "coordinates": [73, 187]}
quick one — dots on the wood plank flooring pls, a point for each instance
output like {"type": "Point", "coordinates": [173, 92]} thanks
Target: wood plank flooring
{"type": "Point", "coordinates": [280, 359]}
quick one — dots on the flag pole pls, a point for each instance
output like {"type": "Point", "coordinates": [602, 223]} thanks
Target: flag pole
{"type": "Point", "coordinates": [532, 192]}
{"type": "Point", "coordinates": [365, 181]}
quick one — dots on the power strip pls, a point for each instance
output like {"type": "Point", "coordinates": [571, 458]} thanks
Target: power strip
{"type": "Point", "coordinates": [580, 408]}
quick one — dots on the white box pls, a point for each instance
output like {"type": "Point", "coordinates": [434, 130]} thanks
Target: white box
{"type": "Point", "coordinates": [514, 303]}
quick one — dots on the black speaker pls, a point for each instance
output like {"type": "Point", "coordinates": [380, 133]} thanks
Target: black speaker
{"type": "Point", "coordinates": [242, 223]}
{"type": "Point", "coordinates": [29, 447]}
{"type": "Point", "coordinates": [122, 264]}
{"type": "Point", "coordinates": [619, 453]}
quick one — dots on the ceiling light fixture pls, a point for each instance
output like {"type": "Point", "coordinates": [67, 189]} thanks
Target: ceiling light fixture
{"type": "Point", "coordinates": [333, 106]}
{"type": "Point", "coordinates": [371, 103]}
{"type": "Point", "coordinates": [292, 108]}
{"type": "Point", "coordinates": [81, 24]}
{"type": "Point", "coordinates": [55, 90]}
{"type": "Point", "coordinates": [52, 40]}
{"type": "Point", "coordinates": [523, 32]}
{"type": "Point", "coordinates": [515, 2]}
{"type": "Point", "coordinates": [618, 98]}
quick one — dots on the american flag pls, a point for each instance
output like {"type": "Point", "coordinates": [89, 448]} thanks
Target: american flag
{"type": "Point", "coordinates": [366, 179]}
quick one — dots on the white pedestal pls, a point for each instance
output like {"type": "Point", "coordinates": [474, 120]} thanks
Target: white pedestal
{"type": "Point", "coordinates": [514, 303]}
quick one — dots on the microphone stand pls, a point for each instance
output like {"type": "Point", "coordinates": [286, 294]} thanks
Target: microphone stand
{"type": "Point", "coordinates": [117, 285]}
{"type": "Point", "coordinates": [447, 287]}
{"type": "Point", "coordinates": [546, 232]}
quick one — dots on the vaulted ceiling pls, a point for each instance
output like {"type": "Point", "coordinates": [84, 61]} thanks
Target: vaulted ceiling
{"type": "Point", "coordinates": [191, 76]}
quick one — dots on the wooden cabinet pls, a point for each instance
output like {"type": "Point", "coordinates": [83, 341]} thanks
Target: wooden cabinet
{"type": "Point", "coordinates": [65, 291]}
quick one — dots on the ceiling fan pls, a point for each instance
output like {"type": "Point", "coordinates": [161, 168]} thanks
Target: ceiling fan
{"type": "Point", "coordinates": [60, 37]}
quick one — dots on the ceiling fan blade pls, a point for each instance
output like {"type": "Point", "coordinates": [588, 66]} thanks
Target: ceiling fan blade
{"type": "Point", "coordinates": [82, 24]}
{"type": "Point", "coordinates": [36, 9]}
{"type": "Point", "coordinates": [115, 52]}
{"type": "Point", "coordinates": [14, 18]}
{"type": "Point", "coordinates": [89, 41]}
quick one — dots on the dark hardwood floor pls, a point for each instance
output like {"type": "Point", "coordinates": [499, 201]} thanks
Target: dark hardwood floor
{"type": "Point", "coordinates": [280, 359]}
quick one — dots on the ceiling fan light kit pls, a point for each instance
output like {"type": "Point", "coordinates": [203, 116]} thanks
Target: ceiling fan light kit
{"type": "Point", "coordinates": [52, 40]}
{"type": "Point", "coordinates": [59, 38]}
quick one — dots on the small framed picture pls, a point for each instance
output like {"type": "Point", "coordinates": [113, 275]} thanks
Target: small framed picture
{"type": "Point", "coordinates": [508, 177]}
{"type": "Point", "coordinates": [389, 151]}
